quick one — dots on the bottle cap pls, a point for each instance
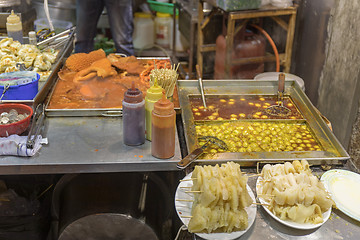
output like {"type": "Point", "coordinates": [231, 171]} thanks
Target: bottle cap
{"type": "Point", "coordinates": [133, 94]}
{"type": "Point", "coordinates": [13, 18]}
{"type": "Point", "coordinates": [164, 106]}
{"type": "Point", "coordinates": [142, 15]}
{"type": "Point", "coordinates": [162, 15]}
{"type": "Point", "coordinates": [32, 34]}
{"type": "Point", "coordinates": [155, 92]}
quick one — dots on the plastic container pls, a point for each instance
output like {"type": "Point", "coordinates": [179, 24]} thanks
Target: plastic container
{"type": "Point", "coordinates": [14, 27]}
{"type": "Point", "coordinates": [181, 44]}
{"type": "Point", "coordinates": [247, 44]}
{"type": "Point", "coordinates": [133, 108]}
{"type": "Point", "coordinates": [144, 31]}
{"type": "Point", "coordinates": [233, 5]}
{"type": "Point", "coordinates": [32, 38]}
{"type": "Point", "coordinates": [22, 85]}
{"type": "Point", "coordinates": [163, 129]}
{"type": "Point", "coordinates": [162, 7]}
{"type": "Point", "coordinates": [163, 29]}
{"type": "Point", "coordinates": [59, 25]}
{"type": "Point", "coordinates": [282, 3]}
{"type": "Point", "coordinates": [16, 127]}
{"type": "Point", "coordinates": [153, 94]}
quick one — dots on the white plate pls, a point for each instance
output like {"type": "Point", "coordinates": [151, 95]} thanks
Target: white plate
{"type": "Point", "coordinates": [302, 226]}
{"type": "Point", "coordinates": [184, 209]}
{"type": "Point", "coordinates": [344, 187]}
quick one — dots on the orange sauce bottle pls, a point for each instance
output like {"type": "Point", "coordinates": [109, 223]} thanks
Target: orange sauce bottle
{"type": "Point", "coordinates": [163, 129]}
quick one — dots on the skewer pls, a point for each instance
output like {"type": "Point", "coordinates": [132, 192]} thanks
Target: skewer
{"type": "Point", "coordinates": [261, 204]}
{"type": "Point", "coordinates": [254, 175]}
{"type": "Point", "coordinates": [270, 195]}
{"type": "Point", "coordinates": [193, 191]}
{"type": "Point", "coordinates": [184, 200]}
{"type": "Point", "coordinates": [186, 216]}
{"type": "Point", "coordinates": [190, 179]}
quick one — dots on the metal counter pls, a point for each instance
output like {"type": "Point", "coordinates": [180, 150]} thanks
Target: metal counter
{"type": "Point", "coordinates": [87, 145]}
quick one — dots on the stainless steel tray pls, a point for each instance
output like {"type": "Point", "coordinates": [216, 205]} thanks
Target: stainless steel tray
{"type": "Point", "coordinates": [105, 112]}
{"type": "Point", "coordinates": [333, 152]}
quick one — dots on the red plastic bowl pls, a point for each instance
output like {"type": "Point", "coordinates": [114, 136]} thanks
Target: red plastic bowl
{"type": "Point", "coordinates": [16, 127]}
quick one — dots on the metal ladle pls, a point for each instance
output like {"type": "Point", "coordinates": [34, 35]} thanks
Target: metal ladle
{"type": "Point", "coordinates": [201, 85]}
{"type": "Point", "coordinates": [186, 161]}
{"type": "Point", "coordinates": [279, 109]}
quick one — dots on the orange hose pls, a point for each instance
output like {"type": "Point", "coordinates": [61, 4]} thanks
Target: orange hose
{"type": "Point", "coordinates": [272, 45]}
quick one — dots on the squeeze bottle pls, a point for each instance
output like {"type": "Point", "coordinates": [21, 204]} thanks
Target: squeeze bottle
{"type": "Point", "coordinates": [32, 38]}
{"type": "Point", "coordinates": [153, 94]}
{"type": "Point", "coordinates": [14, 27]}
{"type": "Point", "coordinates": [133, 107]}
{"type": "Point", "coordinates": [163, 129]}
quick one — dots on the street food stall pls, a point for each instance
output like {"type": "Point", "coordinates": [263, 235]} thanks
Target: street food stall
{"type": "Point", "coordinates": [252, 159]}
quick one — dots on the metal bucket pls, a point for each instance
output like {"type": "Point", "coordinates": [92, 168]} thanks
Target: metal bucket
{"type": "Point", "coordinates": [62, 10]}
{"type": "Point", "coordinates": [111, 206]}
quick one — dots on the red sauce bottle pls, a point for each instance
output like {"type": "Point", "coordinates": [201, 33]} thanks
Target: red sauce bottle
{"type": "Point", "coordinates": [133, 107]}
{"type": "Point", "coordinates": [163, 129]}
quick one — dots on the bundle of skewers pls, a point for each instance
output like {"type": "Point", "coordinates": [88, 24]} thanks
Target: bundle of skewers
{"type": "Point", "coordinates": [220, 197]}
{"type": "Point", "coordinates": [166, 78]}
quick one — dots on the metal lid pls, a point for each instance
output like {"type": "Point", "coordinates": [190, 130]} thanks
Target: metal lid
{"type": "Point", "coordinates": [108, 226]}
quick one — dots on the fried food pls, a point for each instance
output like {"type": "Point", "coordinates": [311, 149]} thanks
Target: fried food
{"type": "Point", "coordinates": [294, 193]}
{"type": "Point", "coordinates": [98, 85]}
{"type": "Point", "coordinates": [219, 205]}
{"type": "Point", "coordinates": [101, 68]}
{"type": "Point", "coordinates": [79, 61]}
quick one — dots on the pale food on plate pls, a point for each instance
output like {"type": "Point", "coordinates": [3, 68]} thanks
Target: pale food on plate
{"type": "Point", "coordinates": [220, 196]}
{"type": "Point", "coordinates": [294, 193]}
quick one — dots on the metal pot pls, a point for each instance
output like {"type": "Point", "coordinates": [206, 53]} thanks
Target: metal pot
{"type": "Point", "coordinates": [61, 10]}
{"type": "Point", "coordinates": [134, 204]}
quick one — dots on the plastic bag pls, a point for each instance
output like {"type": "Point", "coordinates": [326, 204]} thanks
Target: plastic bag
{"type": "Point", "coordinates": [265, 2]}
{"type": "Point", "coordinates": [282, 3]}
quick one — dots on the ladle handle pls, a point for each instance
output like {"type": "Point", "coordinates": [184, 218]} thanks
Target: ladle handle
{"type": "Point", "coordinates": [281, 84]}
{"type": "Point", "coordinates": [186, 161]}
{"type": "Point", "coordinates": [201, 85]}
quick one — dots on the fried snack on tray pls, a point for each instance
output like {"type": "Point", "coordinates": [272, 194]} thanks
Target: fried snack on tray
{"type": "Point", "coordinates": [79, 61]}
{"type": "Point", "coordinates": [101, 68]}
{"type": "Point", "coordinates": [93, 81]}
{"type": "Point", "coordinates": [219, 205]}
{"type": "Point", "coordinates": [294, 193]}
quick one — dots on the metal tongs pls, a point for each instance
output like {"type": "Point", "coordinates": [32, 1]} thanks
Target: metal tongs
{"type": "Point", "coordinates": [36, 125]}
{"type": "Point", "coordinates": [201, 85]}
{"type": "Point", "coordinates": [57, 40]}
{"type": "Point", "coordinates": [279, 109]}
{"type": "Point", "coordinates": [186, 161]}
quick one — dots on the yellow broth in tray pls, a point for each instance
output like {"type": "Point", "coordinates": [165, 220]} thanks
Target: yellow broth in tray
{"type": "Point", "coordinates": [239, 107]}
{"type": "Point", "coordinates": [245, 136]}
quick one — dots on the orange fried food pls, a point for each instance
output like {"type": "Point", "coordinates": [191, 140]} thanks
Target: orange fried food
{"type": "Point", "coordinates": [130, 64]}
{"type": "Point", "coordinates": [79, 61]}
{"type": "Point", "coordinates": [101, 68]}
